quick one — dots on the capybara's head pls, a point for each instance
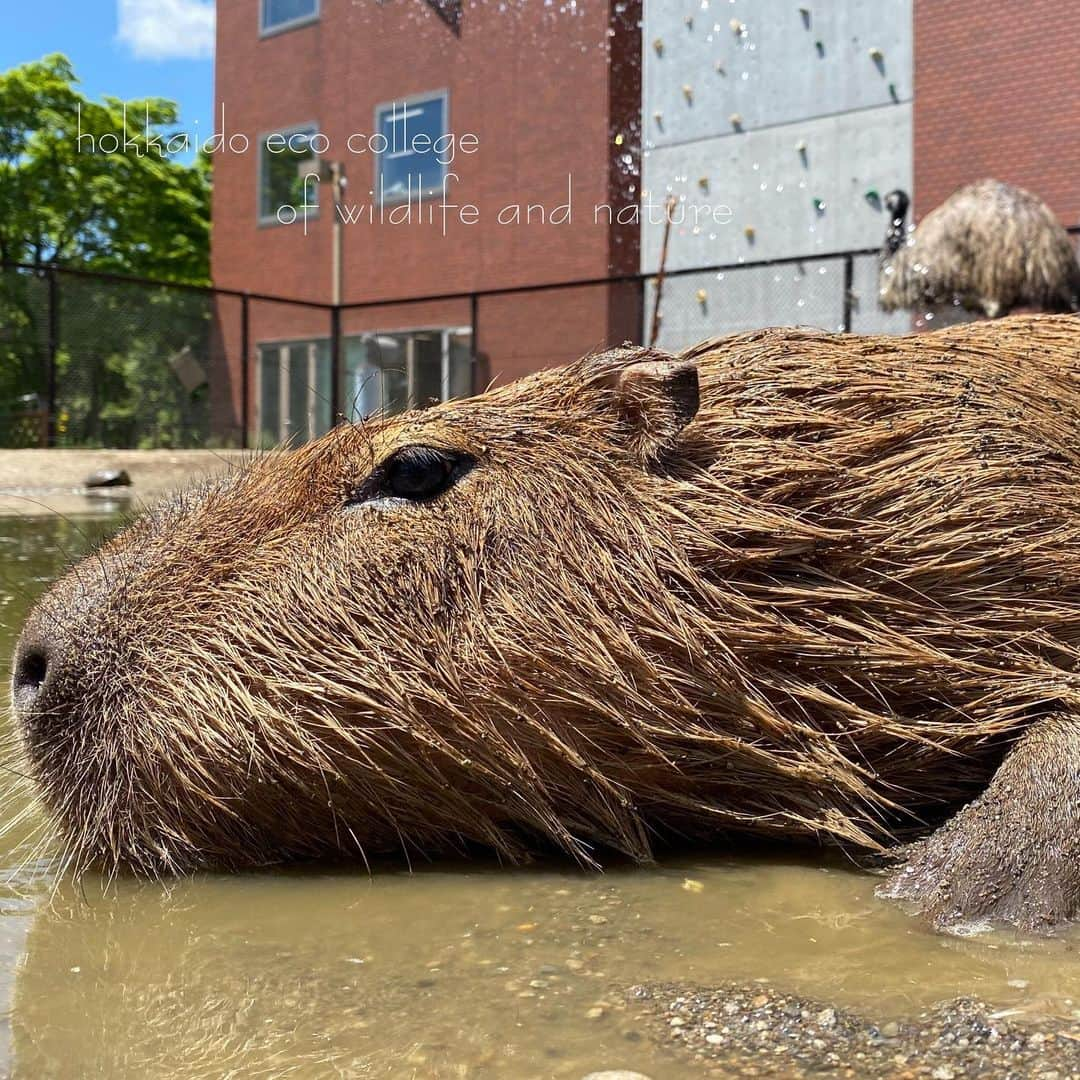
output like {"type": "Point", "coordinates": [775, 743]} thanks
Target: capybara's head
{"type": "Point", "coordinates": [414, 634]}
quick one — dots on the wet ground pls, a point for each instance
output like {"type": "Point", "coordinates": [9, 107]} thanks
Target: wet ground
{"type": "Point", "coordinates": [44, 482]}
{"type": "Point", "coordinates": [720, 964]}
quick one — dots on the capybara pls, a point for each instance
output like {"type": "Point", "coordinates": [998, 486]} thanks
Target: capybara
{"type": "Point", "coordinates": [809, 586]}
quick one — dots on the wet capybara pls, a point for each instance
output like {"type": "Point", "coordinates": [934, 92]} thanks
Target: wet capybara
{"type": "Point", "coordinates": [790, 583]}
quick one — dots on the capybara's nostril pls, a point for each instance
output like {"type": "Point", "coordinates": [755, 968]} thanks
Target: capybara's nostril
{"type": "Point", "coordinates": [31, 671]}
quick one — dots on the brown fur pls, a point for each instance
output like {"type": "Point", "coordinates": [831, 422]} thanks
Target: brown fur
{"type": "Point", "coordinates": [820, 610]}
{"type": "Point", "coordinates": [991, 247]}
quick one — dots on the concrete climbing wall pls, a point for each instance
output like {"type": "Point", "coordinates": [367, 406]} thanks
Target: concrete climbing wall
{"type": "Point", "coordinates": [777, 126]}
{"type": "Point", "coordinates": [806, 293]}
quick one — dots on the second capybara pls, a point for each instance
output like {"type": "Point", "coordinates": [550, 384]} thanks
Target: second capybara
{"type": "Point", "coordinates": [811, 586]}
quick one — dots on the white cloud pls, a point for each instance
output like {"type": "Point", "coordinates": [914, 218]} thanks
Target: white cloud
{"type": "Point", "coordinates": [167, 29]}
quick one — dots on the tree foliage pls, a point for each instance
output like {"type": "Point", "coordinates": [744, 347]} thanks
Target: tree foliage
{"type": "Point", "coordinates": [68, 199]}
{"type": "Point", "coordinates": [135, 211]}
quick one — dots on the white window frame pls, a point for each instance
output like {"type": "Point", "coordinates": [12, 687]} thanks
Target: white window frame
{"type": "Point", "coordinates": [412, 99]}
{"type": "Point", "coordinates": [270, 220]}
{"type": "Point", "coordinates": [291, 24]}
{"type": "Point", "coordinates": [284, 422]}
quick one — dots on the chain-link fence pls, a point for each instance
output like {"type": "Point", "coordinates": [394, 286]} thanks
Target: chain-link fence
{"type": "Point", "coordinates": [832, 292]}
{"type": "Point", "coordinates": [91, 359]}
{"type": "Point", "coordinates": [97, 360]}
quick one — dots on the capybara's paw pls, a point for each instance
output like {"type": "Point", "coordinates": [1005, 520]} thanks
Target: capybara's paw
{"type": "Point", "coordinates": [1013, 855]}
{"type": "Point", "coordinates": [965, 885]}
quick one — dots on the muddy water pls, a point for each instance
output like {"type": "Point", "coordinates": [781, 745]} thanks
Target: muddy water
{"type": "Point", "coordinates": [454, 971]}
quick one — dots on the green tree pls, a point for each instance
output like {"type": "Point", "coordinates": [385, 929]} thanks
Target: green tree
{"type": "Point", "coordinates": [98, 186]}
{"type": "Point", "coordinates": [137, 210]}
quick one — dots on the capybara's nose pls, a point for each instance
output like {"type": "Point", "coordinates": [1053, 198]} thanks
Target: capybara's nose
{"type": "Point", "coordinates": [35, 665]}
{"type": "Point", "coordinates": [64, 639]}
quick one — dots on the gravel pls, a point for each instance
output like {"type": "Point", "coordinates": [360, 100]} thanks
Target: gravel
{"type": "Point", "coordinates": [741, 1031]}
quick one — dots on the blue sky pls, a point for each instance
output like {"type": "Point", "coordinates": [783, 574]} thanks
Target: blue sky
{"type": "Point", "coordinates": [128, 48]}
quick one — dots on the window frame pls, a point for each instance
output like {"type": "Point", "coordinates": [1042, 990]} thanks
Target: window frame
{"type": "Point", "coordinates": [442, 94]}
{"type": "Point", "coordinates": [283, 418]}
{"type": "Point", "coordinates": [271, 220]}
{"type": "Point", "coordinates": [445, 332]}
{"type": "Point", "coordinates": [284, 421]}
{"type": "Point", "coordinates": [290, 24]}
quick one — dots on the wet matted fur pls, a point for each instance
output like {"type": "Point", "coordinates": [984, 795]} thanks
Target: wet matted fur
{"type": "Point", "coordinates": [990, 247]}
{"type": "Point", "coordinates": [795, 584]}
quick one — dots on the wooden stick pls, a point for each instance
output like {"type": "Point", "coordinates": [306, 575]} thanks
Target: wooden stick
{"type": "Point", "coordinates": [655, 330]}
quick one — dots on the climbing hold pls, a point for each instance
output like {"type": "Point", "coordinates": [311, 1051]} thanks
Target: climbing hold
{"type": "Point", "coordinates": [720, 68]}
{"type": "Point", "coordinates": [737, 27]}
{"type": "Point", "coordinates": [702, 297]}
{"type": "Point", "coordinates": [876, 54]}
{"type": "Point", "coordinates": [800, 146]}
{"type": "Point", "coordinates": [703, 183]}
{"type": "Point", "coordinates": [689, 20]}
{"type": "Point", "coordinates": [819, 205]}
{"type": "Point", "coordinates": [658, 46]}
{"type": "Point", "coordinates": [688, 93]}
{"type": "Point", "coordinates": [736, 120]}
{"type": "Point", "coordinates": [750, 232]}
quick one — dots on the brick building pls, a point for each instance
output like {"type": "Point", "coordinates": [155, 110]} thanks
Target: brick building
{"type": "Point", "coordinates": [535, 97]}
{"type": "Point", "coordinates": [997, 93]}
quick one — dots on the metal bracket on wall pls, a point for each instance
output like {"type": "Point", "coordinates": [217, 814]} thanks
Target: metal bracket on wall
{"type": "Point", "coordinates": [449, 11]}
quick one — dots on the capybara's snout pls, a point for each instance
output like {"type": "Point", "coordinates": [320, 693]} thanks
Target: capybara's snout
{"type": "Point", "coordinates": [34, 670]}
{"type": "Point", "coordinates": [61, 664]}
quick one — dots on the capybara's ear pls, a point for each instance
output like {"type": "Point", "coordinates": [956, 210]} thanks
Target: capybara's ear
{"type": "Point", "coordinates": [656, 398]}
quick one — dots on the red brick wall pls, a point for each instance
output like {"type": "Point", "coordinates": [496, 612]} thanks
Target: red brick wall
{"type": "Point", "coordinates": [533, 85]}
{"type": "Point", "coordinates": [997, 93]}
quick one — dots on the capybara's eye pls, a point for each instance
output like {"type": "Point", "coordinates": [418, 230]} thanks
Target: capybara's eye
{"type": "Point", "coordinates": [416, 473]}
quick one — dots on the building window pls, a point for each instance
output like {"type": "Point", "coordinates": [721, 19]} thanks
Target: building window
{"type": "Point", "coordinates": [381, 373]}
{"type": "Point", "coordinates": [294, 391]}
{"type": "Point", "coordinates": [283, 191]}
{"type": "Point", "coordinates": [285, 14]}
{"type": "Point", "coordinates": [414, 131]}
{"type": "Point", "coordinates": [389, 373]}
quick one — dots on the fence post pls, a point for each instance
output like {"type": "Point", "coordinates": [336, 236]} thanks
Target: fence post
{"type": "Point", "coordinates": [849, 285]}
{"type": "Point", "coordinates": [245, 372]}
{"type": "Point", "coordinates": [335, 366]}
{"type": "Point", "coordinates": [52, 347]}
{"type": "Point", "coordinates": [474, 330]}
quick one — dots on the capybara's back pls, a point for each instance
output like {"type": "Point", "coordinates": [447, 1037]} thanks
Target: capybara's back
{"type": "Point", "coordinates": [790, 583]}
